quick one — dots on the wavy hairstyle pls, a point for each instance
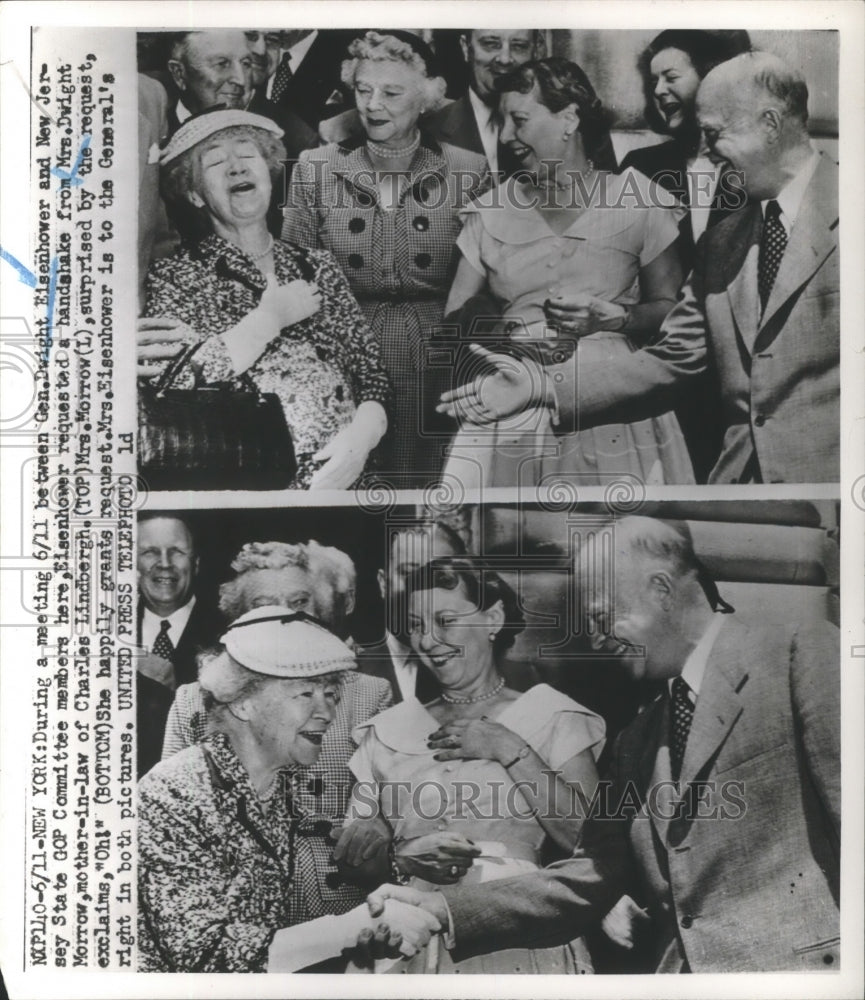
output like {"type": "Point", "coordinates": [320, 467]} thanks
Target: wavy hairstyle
{"type": "Point", "coordinates": [705, 49]}
{"type": "Point", "coordinates": [560, 82]}
{"type": "Point", "coordinates": [398, 46]}
{"type": "Point", "coordinates": [479, 584]}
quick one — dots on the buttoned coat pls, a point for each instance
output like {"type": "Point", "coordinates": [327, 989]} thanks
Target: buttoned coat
{"type": "Point", "coordinates": [746, 879]}
{"type": "Point", "coordinates": [778, 374]}
{"type": "Point", "coordinates": [399, 263]}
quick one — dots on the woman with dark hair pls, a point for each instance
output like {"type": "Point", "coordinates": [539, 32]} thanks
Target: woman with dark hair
{"type": "Point", "coordinates": [488, 775]}
{"type": "Point", "coordinates": [574, 251]}
{"type": "Point", "coordinates": [671, 67]}
{"type": "Point", "coordinates": [385, 204]}
{"type": "Point", "coordinates": [281, 315]}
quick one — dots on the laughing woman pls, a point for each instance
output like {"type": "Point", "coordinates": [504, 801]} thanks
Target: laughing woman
{"type": "Point", "coordinates": [223, 869]}
{"type": "Point", "coordinates": [282, 315]}
{"type": "Point", "coordinates": [578, 252]}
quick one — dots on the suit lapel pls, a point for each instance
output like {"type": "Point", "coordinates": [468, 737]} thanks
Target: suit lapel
{"type": "Point", "coordinates": [460, 128]}
{"type": "Point", "coordinates": [742, 248]}
{"type": "Point", "coordinates": [719, 703]}
{"type": "Point", "coordinates": [812, 238]}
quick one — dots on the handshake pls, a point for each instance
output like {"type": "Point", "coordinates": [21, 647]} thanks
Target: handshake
{"type": "Point", "coordinates": [397, 921]}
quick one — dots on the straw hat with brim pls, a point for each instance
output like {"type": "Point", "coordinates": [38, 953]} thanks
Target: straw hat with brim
{"type": "Point", "coordinates": [272, 641]}
{"type": "Point", "coordinates": [204, 124]}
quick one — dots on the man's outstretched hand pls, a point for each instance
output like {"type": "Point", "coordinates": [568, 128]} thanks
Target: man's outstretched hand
{"type": "Point", "coordinates": [508, 385]}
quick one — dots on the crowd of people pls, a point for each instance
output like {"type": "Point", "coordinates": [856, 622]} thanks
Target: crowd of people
{"type": "Point", "coordinates": [473, 286]}
{"type": "Point", "coordinates": [425, 805]}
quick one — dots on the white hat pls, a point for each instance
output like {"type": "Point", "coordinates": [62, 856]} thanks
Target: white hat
{"type": "Point", "coordinates": [204, 124]}
{"type": "Point", "coordinates": [274, 641]}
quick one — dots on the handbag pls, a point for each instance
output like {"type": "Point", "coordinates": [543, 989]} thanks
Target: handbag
{"type": "Point", "coordinates": [212, 437]}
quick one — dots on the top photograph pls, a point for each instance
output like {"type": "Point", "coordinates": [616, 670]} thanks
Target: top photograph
{"type": "Point", "coordinates": [381, 259]}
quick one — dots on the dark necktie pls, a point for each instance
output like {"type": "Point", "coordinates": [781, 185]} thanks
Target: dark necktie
{"type": "Point", "coordinates": [163, 646]}
{"type": "Point", "coordinates": [773, 242]}
{"type": "Point", "coordinates": [680, 725]}
{"type": "Point", "coordinates": [282, 78]}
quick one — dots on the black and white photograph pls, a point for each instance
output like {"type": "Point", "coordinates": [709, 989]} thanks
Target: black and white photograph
{"type": "Point", "coordinates": [607, 252]}
{"type": "Point", "coordinates": [492, 739]}
{"type": "Point", "coordinates": [433, 508]}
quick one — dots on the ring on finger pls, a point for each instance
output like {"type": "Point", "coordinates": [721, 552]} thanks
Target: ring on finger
{"type": "Point", "coordinates": [454, 870]}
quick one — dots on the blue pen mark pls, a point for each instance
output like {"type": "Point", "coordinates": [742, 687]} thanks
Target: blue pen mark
{"type": "Point", "coordinates": [49, 326]}
{"type": "Point", "coordinates": [72, 176]}
{"type": "Point", "coordinates": [24, 273]}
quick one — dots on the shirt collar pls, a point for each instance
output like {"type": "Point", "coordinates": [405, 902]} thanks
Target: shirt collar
{"type": "Point", "coordinates": [177, 620]}
{"type": "Point", "coordinates": [399, 653]}
{"type": "Point", "coordinates": [695, 666]}
{"type": "Point", "coordinates": [790, 198]}
{"type": "Point", "coordinates": [182, 112]}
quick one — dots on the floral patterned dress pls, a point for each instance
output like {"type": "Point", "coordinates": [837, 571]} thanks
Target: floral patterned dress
{"type": "Point", "coordinates": [219, 870]}
{"type": "Point", "coordinates": [321, 368]}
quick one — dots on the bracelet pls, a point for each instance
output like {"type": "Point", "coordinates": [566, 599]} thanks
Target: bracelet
{"type": "Point", "coordinates": [526, 750]}
{"type": "Point", "coordinates": [396, 876]}
{"type": "Point", "coordinates": [626, 319]}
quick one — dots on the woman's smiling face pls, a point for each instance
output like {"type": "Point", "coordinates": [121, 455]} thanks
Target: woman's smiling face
{"type": "Point", "coordinates": [390, 99]}
{"type": "Point", "coordinates": [232, 180]}
{"type": "Point", "coordinates": [674, 88]}
{"type": "Point", "coordinates": [451, 635]}
{"type": "Point", "coordinates": [533, 132]}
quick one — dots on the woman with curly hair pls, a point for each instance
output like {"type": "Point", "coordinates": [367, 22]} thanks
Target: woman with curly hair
{"type": "Point", "coordinates": [386, 206]}
{"type": "Point", "coordinates": [574, 258]}
{"type": "Point", "coordinates": [478, 781]}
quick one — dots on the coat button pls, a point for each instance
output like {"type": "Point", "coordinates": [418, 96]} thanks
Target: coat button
{"type": "Point", "coordinates": [686, 921]}
{"type": "Point", "coordinates": [355, 260]}
{"type": "Point", "coordinates": [420, 223]}
{"type": "Point", "coordinates": [423, 260]}
{"type": "Point", "coordinates": [759, 420]}
{"type": "Point", "coordinates": [356, 225]}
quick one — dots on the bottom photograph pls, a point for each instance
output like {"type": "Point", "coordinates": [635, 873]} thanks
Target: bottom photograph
{"type": "Point", "coordinates": [502, 739]}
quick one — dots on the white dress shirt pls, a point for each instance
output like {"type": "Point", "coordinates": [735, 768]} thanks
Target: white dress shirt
{"type": "Point", "coordinates": [177, 621]}
{"type": "Point", "coordinates": [488, 128]}
{"type": "Point", "coordinates": [404, 666]}
{"type": "Point", "coordinates": [702, 181]}
{"type": "Point", "coordinates": [790, 198]}
{"type": "Point", "coordinates": [182, 112]}
{"type": "Point", "coordinates": [695, 666]}
{"type": "Point", "coordinates": [296, 55]}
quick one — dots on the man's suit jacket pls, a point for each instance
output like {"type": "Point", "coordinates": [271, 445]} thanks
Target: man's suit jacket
{"type": "Point", "coordinates": [203, 630]}
{"type": "Point", "coordinates": [376, 661]}
{"type": "Point", "coordinates": [778, 375]}
{"type": "Point", "coordinates": [667, 164]}
{"type": "Point", "coordinates": [318, 77]}
{"type": "Point", "coordinates": [456, 123]}
{"type": "Point", "coordinates": [748, 879]}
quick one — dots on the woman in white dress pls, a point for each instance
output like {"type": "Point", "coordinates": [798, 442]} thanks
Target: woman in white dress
{"type": "Point", "coordinates": [477, 782]}
{"type": "Point", "coordinates": [574, 258]}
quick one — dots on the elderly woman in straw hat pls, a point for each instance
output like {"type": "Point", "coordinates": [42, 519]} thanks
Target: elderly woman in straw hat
{"type": "Point", "coordinates": [221, 870]}
{"type": "Point", "coordinates": [280, 314]}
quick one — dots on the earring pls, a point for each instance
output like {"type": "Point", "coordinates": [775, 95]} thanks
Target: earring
{"type": "Point", "coordinates": [492, 636]}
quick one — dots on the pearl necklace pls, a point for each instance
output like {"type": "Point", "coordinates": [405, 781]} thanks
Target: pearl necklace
{"type": "Point", "coordinates": [264, 252]}
{"type": "Point", "coordinates": [386, 153]}
{"type": "Point", "coordinates": [479, 697]}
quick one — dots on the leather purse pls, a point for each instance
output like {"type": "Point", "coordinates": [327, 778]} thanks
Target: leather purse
{"type": "Point", "coordinates": [212, 437]}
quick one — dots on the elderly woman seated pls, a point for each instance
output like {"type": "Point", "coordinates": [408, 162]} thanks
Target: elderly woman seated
{"type": "Point", "coordinates": [282, 315]}
{"type": "Point", "coordinates": [222, 872]}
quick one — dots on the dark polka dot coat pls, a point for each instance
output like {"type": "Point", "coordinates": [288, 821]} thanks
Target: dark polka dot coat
{"type": "Point", "coordinates": [400, 264]}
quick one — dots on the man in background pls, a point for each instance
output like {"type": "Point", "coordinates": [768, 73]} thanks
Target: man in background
{"type": "Point", "coordinates": [173, 624]}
